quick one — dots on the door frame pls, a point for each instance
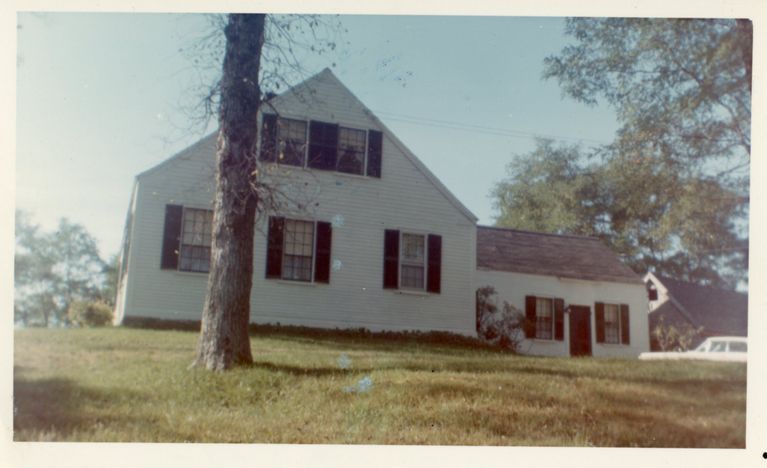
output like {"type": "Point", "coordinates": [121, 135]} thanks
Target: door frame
{"type": "Point", "coordinates": [581, 310]}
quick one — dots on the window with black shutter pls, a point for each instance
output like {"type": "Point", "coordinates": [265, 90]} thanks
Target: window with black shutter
{"type": "Point", "coordinates": [298, 250]}
{"type": "Point", "coordinates": [612, 323]}
{"type": "Point", "coordinates": [323, 145]}
{"type": "Point", "coordinates": [187, 237]}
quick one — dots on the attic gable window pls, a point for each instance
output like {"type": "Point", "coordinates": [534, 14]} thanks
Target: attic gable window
{"type": "Point", "coordinates": [321, 145]}
{"type": "Point", "coordinates": [351, 151]}
{"type": "Point", "coordinates": [291, 142]}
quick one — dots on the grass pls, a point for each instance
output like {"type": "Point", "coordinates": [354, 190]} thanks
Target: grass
{"type": "Point", "coordinates": [122, 384]}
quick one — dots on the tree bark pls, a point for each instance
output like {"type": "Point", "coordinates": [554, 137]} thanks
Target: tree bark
{"type": "Point", "coordinates": [224, 340]}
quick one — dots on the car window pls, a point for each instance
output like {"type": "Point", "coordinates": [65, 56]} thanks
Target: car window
{"type": "Point", "coordinates": [718, 347]}
{"type": "Point", "coordinates": [702, 347]}
{"type": "Point", "coordinates": [738, 347]}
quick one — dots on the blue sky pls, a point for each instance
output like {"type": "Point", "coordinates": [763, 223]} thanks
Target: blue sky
{"type": "Point", "coordinates": [102, 97]}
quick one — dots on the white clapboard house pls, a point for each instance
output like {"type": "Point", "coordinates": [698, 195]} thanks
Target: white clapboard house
{"type": "Point", "coordinates": [371, 239]}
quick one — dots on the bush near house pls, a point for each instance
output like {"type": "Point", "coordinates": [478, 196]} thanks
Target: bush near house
{"type": "Point", "coordinates": [122, 384]}
{"type": "Point", "coordinates": [89, 314]}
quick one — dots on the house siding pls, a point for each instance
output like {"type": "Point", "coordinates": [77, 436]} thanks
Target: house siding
{"type": "Point", "coordinates": [513, 287]}
{"type": "Point", "coordinates": [403, 198]}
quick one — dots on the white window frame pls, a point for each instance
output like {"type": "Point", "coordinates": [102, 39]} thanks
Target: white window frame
{"type": "Point", "coordinates": [618, 320]}
{"type": "Point", "coordinates": [552, 329]}
{"type": "Point", "coordinates": [181, 244]}
{"type": "Point", "coordinates": [307, 143]}
{"type": "Point", "coordinates": [314, 250]}
{"type": "Point", "coordinates": [364, 152]}
{"type": "Point", "coordinates": [425, 265]}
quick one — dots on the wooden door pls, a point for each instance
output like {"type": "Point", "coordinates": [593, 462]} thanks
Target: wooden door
{"type": "Point", "coordinates": [580, 331]}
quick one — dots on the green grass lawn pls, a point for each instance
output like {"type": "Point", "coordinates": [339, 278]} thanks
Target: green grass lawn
{"type": "Point", "coordinates": [122, 384]}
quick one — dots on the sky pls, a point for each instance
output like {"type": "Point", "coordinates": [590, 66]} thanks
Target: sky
{"type": "Point", "coordinates": [104, 96]}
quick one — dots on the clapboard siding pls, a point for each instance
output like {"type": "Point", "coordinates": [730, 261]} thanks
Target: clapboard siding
{"type": "Point", "coordinates": [513, 287]}
{"type": "Point", "coordinates": [403, 198]}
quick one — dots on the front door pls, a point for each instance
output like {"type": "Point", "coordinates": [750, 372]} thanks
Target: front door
{"type": "Point", "coordinates": [580, 330]}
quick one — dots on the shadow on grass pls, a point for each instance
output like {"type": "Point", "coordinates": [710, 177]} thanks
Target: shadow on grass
{"type": "Point", "coordinates": [56, 407]}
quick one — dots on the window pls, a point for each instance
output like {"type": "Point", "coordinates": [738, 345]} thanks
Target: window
{"type": "Point", "coordinates": [413, 261]}
{"type": "Point", "coordinates": [612, 324]}
{"type": "Point", "coordinates": [291, 138]}
{"type": "Point", "coordinates": [298, 250]}
{"type": "Point", "coordinates": [321, 145]}
{"type": "Point", "coordinates": [351, 151]}
{"type": "Point", "coordinates": [405, 263]}
{"type": "Point", "coordinates": [544, 318]}
{"type": "Point", "coordinates": [196, 234]}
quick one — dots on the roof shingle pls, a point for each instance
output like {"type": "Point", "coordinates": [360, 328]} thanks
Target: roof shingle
{"type": "Point", "coordinates": [537, 253]}
{"type": "Point", "coordinates": [719, 311]}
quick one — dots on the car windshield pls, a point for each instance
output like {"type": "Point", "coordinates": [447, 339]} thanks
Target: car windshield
{"type": "Point", "coordinates": [718, 347]}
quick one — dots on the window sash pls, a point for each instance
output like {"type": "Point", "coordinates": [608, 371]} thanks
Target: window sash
{"type": "Point", "coordinates": [291, 138]}
{"type": "Point", "coordinates": [196, 236]}
{"type": "Point", "coordinates": [298, 250]}
{"type": "Point", "coordinates": [612, 324]}
{"type": "Point", "coordinates": [413, 261]}
{"type": "Point", "coordinates": [544, 318]}
{"type": "Point", "coordinates": [352, 147]}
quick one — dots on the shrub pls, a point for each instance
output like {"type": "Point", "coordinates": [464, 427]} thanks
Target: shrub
{"type": "Point", "coordinates": [89, 314]}
{"type": "Point", "coordinates": [667, 337]}
{"type": "Point", "coordinates": [502, 327]}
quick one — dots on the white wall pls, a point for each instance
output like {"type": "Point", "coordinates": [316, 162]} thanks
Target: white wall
{"type": "Point", "coordinates": [513, 287]}
{"type": "Point", "coordinates": [403, 198]}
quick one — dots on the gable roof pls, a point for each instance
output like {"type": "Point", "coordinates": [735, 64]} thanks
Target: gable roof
{"type": "Point", "coordinates": [537, 253]}
{"type": "Point", "coordinates": [719, 311]}
{"type": "Point", "coordinates": [327, 75]}
{"type": "Point", "coordinates": [420, 166]}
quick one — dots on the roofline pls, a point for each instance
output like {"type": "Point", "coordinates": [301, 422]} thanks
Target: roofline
{"type": "Point", "coordinates": [561, 277]}
{"type": "Point", "coordinates": [177, 155]}
{"type": "Point", "coordinates": [671, 298]}
{"type": "Point", "coordinates": [410, 155]}
{"type": "Point", "coordinates": [572, 236]}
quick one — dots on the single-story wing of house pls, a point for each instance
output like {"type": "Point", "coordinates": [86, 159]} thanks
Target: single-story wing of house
{"type": "Point", "coordinates": [716, 311]}
{"type": "Point", "coordinates": [366, 237]}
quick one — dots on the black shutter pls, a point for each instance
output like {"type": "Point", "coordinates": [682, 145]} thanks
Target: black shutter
{"type": "Point", "coordinates": [323, 145]}
{"type": "Point", "coordinates": [559, 319]}
{"type": "Point", "coordinates": [434, 273]}
{"type": "Point", "coordinates": [599, 314]}
{"type": "Point", "coordinates": [269, 138]}
{"type": "Point", "coordinates": [625, 332]}
{"type": "Point", "coordinates": [530, 317]}
{"type": "Point", "coordinates": [375, 151]}
{"type": "Point", "coordinates": [274, 247]}
{"type": "Point", "coordinates": [171, 239]}
{"type": "Point", "coordinates": [391, 259]}
{"type": "Point", "coordinates": [322, 259]}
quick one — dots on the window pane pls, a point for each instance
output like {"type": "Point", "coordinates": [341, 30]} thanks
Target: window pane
{"type": "Point", "coordinates": [291, 135]}
{"type": "Point", "coordinates": [298, 250]}
{"type": "Point", "coordinates": [544, 323]}
{"type": "Point", "coordinates": [412, 248]}
{"type": "Point", "coordinates": [351, 150]}
{"type": "Point", "coordinates": [612, 323]}
{"type": "Point", "coordinates": [412, 277]}
{"type": "Point", "coordinates": [195, 240]}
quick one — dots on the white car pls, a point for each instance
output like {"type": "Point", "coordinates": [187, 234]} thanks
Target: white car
{"type": "Point", "coordinates": [715, 348]}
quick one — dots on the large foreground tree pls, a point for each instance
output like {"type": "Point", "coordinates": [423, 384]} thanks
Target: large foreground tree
{"type": "Point", "coordinates": [670, 193]}
{"type": "Point", "coordinates": [224, 340]}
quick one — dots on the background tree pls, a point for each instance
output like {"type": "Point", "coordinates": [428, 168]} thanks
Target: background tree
{"type": "Point", "coordinates": [671, 192]}
{"type": "Point", "coordinates": [52, 270]}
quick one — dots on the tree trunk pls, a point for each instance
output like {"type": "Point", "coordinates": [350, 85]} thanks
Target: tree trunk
{"type": "Point", "coordinates": [224, 340]}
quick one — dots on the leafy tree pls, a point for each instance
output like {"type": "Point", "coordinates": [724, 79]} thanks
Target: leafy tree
{"type": "Point", "coordinates": [671, 191]}
{"type": "Point", "coordinates": [53, 270]}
